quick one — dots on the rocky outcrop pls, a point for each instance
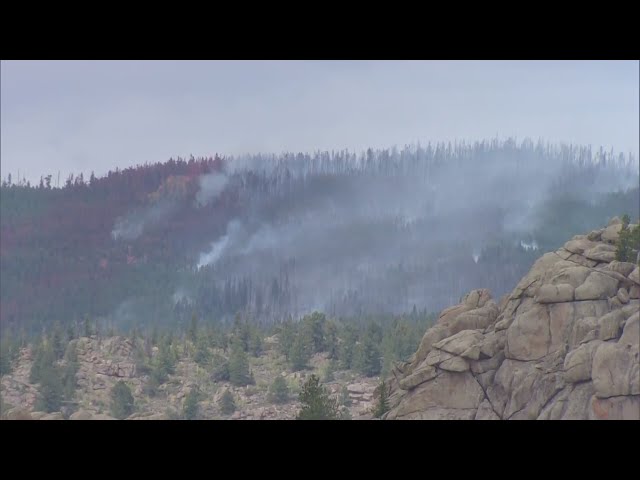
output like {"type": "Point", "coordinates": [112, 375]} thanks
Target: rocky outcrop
{"type": "Point", "coordinates": [563, 345]}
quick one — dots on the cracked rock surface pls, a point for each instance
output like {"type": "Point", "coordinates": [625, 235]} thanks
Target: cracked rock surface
{"type": "Point", "coordinates": [563, 345]}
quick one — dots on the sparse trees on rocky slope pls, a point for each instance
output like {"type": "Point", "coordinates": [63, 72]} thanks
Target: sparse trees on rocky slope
{"type": "Point", "coordinates": [316, 402]}
{"type": "Point", "coordinates": [227, 403]}
{"type": "Point", "coordinates": [122, 402]}
{"type": "Point", "coordinates": [278, 391]}
{"type": "Point", "coordinates": [239, 373]}
{"type": "Point", "coordinates": [191, 407]}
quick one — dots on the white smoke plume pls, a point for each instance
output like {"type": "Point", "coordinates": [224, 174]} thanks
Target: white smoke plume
{"type": "Point", "coordinates": [132, 225]}
{"type": "Point", "coordinates": [211, 185]}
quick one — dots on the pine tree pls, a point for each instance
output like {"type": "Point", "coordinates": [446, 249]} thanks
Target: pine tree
{"type": "Point", "coordinates": [255, 343]}
{"type": "Point", "coordinates": [193, 329]}
{"type": "Point", "coordinates": [299, 354]}
{"type": "Point", "coordinates": [122, 403]}
{"type": "Point", "coordinates": [43, 359]}
{"type": "Point", "coordinates": [220, 370]}
{"type": "Point", "coordinates": [165, 362]}
{"type": "Point", "coordinates": [239, 366]}
{"type": "Point", "coordinates": [345, 398]}
{"type": "Point", "coordinates": [331, 339]}
{"type": "Point", "coordinates": [313, 326]}
{"type": "Point", "coordinates": [88, 331]}
{"type": "Point", "coordinates": [382, 404]}
{"type": "Point", "coordinates": [241, 332]}
{"type": "Point", "coordinates": [202, 356]}
{"type": "Point", "coordinates": [628, 243]}
{"type": "Point", "coordinates": [316, 402]}
{"type": "Point", "coordinates": [140, 360]}
{"type": "Point", "coordinates": [69, 372]}
{"type": "Point", "coordinates": [626, 220]}
{"type": "Point", "coordinates": [279, 392]}
{"type": "Point", "coordinates": [345, 414]}
{"type": "Point", "coordinates": [57, 342]}
{"type": "Point", "coordinates": [3, 406]}
{"type": "Point", "coordinates": [227, 403]}
{"type": "Point", "coordinates": [191, 407]}
{"type": "Point", "coordinates": [346, 349]}
{"type": "Point", "coordinates": [51, 390]}
{"type": "Point", "coordinates": [368, 358]}
{"type": "Point", "coordinates": [329, 371]}
{"type": "Point", "coordinates": [286, 335]}
{"type": "Point", "coordinates": [5, 356]}
{"type": "Point", "coordinates": [71, 332]}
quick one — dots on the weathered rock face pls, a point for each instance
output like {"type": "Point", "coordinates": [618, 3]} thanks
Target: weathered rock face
{"type": "Point", "coordinates": [563, 345]}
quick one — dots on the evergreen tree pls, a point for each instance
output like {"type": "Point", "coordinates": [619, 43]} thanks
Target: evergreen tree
{"type": "Point", "coordinates": [193, 329]}
{"type": "Point", "coordinates": [166, 360]}
{"type": "Point", "coordinates": [227, 403]}
{"type": "Point", "coordinates": [345, 398]}
{"type": "Point", "coordinates": [140, 360]}
{"type": "Point", "coordinates": [191, 407]}
{"type": "Point", "coordinates": [382, 404]}
{"type": "Point", "coordinates": [399, 343]}
{"type": "Point", "coordinates": [628, 243]}
{"type": "Point", "coordinates": [286, 336]}
{"type": "Point", "coordinates": [201, 356]}
{"type": "Point", "coordinates": [316, 402]}
{"type": "Point", "coordinates": [5, 356]}
{"type": "Point", "coordinates": [51, 390]}
{"type": "Point", "coordinates": [255, 343]}
{"type": "Point", "coordinates": [278, 391]}
{"type": "Point", "coordinates": [299, 354]}
{"type": "Point", "coordinates": [368, 359]}
{"type": "Point", "coordinates": [163, 366]}
{"type": "Point", "coordinates": [43, 359]}
{"type": "Point", "coordinates": [152, 385]}
{"type": "Point", "coordinates": [239, 366]}
{"type": "Point", "coordinates": [57, 342]}
{"type": "Point", "coordinates": [314, 326]}
{"type": "Point", "coordinates": [88, 331]}
{"type": "Point", "coordinates": [331, 339]}
{"type": "Point", "coordinates": [214, 337]}
{"type": "Point", "coordinates": [329, 371]}
{"type": "Point", "coordinates": [71, 332]}
{"type": "Point", "coordinates": [220, 371]}
{"type": "Point", "coordinates": [135, 335]}
{"type": "Point", "coordinates": [69, 372]}
{"type": "Point", "coordinates": [346, 348]}
{"type": "Point", "coordinates": [241, 332]}
{"type": "Point", "coordinates": [122, 403]}
{"type": "Point", "coordinates": [345, 414]}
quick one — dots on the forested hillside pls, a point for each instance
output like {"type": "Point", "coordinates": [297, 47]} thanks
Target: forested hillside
{"type": "Point", "coordinates": [277, 237]}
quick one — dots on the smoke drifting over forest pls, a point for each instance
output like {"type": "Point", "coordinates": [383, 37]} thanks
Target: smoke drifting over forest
{"type": "Point", "coordinates": [133, 224]}
{"type": "Point", "coordinates": [274, 236]}
{"type": "Point", "coordinates": [387, 230]}
{"type": "Point", "coordinates": [211, 185]}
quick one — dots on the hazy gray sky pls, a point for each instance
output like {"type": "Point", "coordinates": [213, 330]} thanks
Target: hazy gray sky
{"type": "Point", "coordinates": [96, 115]}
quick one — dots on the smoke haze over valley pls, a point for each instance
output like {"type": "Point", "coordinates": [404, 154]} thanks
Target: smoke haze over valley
{"type": "Point", "coordinates": [373, 229]}
{"type": "Point", "coordinates": [319, 240]}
